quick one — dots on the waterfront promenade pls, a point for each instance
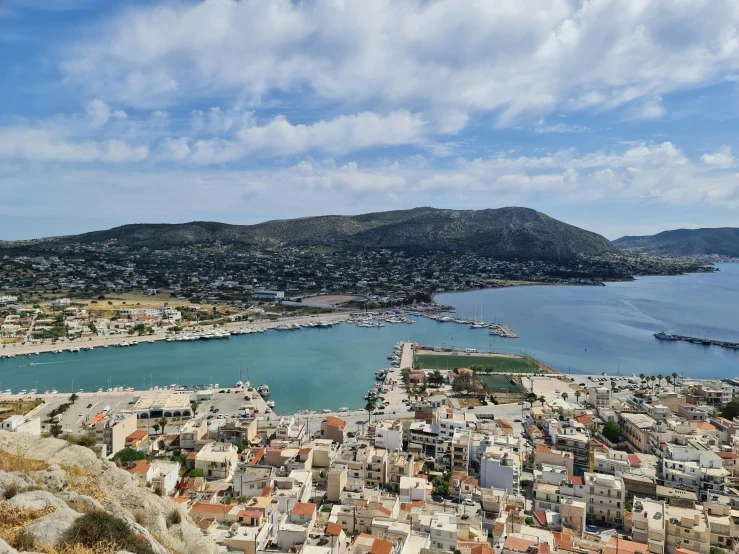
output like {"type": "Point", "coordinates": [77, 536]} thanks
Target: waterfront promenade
{"type": "Point", "coordinates": [160, 334]}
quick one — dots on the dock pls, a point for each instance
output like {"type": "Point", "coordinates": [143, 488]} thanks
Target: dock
{"type": "Point", "coordinates": [502, 330]}
{"type": "Point", "coordinates": [697, 340]}
{"type": "Point", "coordinates": [406, 358]}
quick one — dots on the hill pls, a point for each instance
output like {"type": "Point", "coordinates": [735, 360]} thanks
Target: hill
{"type": "Point", "coordinates": [722, 241]}
{"type": "Point", "coordinates": [501, 233]}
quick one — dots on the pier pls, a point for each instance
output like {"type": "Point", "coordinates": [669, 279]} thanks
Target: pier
{"type": "Point", "coordinates": [697, 340]}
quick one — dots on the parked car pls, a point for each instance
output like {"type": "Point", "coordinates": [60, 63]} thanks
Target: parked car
{"type": "Point", "coordinates": [351, 434]}
{"type": "Point", "coordinates": [469, 502]}
{"type": "Point", "coordinates": [437, 498]}
{"type": "Point", "coordinates": [89, 406]}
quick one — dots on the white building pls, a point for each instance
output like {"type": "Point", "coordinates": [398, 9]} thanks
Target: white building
{"type": "Point", "coordinates": [269, 294]}
{"type": "Point", "coordinates": [699, 471]}
{"type": "Point", "coordinates": [500, 468]}
{"type": "Point", "coordinates": [165, 475]}
{"type": "Point", "coordinates": [60, 303]}
{"type": "Point", "coordinates": [217, 460]}
{"type": "Point", "coordinates": [443, 532]}
{"type": "Point", "coordinates": [389, 435]}
{"type": "Point", "coordinates": [648, 523]}
{"type": "Point", "coordinates": [6, 299]}
{"type": "Point", "coordinates": [412, 489]}
{"type": "Point", "coordinates": [19, 424]}
{"type": "Point", "coordinates": [605, 497]}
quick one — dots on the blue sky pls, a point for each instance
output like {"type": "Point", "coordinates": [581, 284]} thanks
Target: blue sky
{"type": "Point", "coordinates": [619, 116]}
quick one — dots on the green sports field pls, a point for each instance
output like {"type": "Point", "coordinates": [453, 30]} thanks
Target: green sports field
{"type": "Point", "coordinates": [508, 364]}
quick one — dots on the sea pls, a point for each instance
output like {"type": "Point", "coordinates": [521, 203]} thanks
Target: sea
{"type": "Point", "coordinates": [574, 329]}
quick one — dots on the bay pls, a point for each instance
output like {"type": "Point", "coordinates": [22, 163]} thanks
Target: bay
{"type": "Point", "coordinates": [570, 328]}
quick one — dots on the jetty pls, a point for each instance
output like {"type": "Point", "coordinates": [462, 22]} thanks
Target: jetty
{"type": "Point", "coordinates": [697, 340]}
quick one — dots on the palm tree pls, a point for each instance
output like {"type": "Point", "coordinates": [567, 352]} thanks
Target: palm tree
{"type": "Point", "coordinates": [542, 400]}
{"type": "Point", "coordinates": [659, 379]}
{"type": "Point", "coordinates": [73, 398]}
{"type": "Point", "coordinates": [642, 377]}
{"type": "Point", "coordinates": [55, 430]}
{"type": "Point", "coordinates": [163, 423]}
{"type": "Point", "coordinates": [156, 428]}
{"type": "Point", "coordinates": [577, 396]}
{"type": "Point", "coordinates": [674, 382]}
{"type": "Point", "coordinates": [565, 396]}
{"type": "Point", "coordinates": [370, 408]}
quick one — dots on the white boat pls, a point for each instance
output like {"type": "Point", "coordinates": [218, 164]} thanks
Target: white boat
{"type": "Point", "coordinates": [263, 390]}
{"type": "Point", "coordinates": [74, 349]}
{"type": "Point", "coordinates": [271, 403]}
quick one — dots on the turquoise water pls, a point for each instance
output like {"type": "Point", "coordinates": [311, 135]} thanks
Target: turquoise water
{"type": "Point", "coordinates": [577, 329]}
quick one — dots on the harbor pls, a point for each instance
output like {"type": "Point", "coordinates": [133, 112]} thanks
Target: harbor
{"type": "Point", "coordinates": [696, 340]}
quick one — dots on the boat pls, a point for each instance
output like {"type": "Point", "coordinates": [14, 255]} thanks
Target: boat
{"type": "Point", "coordinates": [271, 403]}
{"type": "Point", "coordinates": [263, 390]}
{"type": "Point", "coordinates": [74, 349]}
{"type": "Point", "coordinates": [664, 336]}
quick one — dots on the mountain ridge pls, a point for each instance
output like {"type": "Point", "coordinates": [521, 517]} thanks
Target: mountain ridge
{"type": "Point", "coordinates": [511, 232]}
{"type": "Point", "coordinates": [707, 241]}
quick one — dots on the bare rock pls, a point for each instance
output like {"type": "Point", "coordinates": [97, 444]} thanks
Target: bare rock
{"type": "Point", "coordinates": [81, 502]}
{"type": "Point", "coordinates": [50, 529]}
{"type": "Point", "coordinates": [54, 478]}
{"type": "Point", "coordinates": [20, 480]}
{"type": "Point", "coordinates": [6, 549]}
{"type": "Point", "coordinates": [37, 500]}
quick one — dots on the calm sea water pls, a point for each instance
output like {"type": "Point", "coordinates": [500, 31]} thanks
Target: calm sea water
{"type": "Point", "coordinates": [577, 329]}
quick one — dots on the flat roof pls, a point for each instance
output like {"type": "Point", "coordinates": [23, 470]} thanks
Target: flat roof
{"type": "Point", "coordinates": [162, 400]}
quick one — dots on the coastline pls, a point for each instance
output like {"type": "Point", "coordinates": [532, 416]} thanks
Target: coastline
{"type": "Point", "coordinates": [159, 335]}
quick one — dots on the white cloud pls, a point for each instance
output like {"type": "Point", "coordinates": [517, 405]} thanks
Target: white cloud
{"type": "Point", "coordinates": [25, 143]}
{"type": "Point", "coordinates": [340, 135]}
{"type": "Point", "coordinates": [419, 55]}
{"type": "Point", "coordinates": [723, 158]}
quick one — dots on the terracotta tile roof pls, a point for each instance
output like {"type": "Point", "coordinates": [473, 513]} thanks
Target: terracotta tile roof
{"type": "Point", "coordinates": [684, 551]}
{"type": "Point", "coordinates": [139, 466]}
{"type": "Point", "coordinates": [634, 460]}
{"type": "Point", "coordinates": [542, 448]}
{"type": "Point", "coordinates": [333, 529]}
{"type": "Point", "coordinates": [584, 419]}
{"type": "Point", "coordinates": [623, 546]}
{"type": "Point", "coordinates": [208, 508]}
{"type": "Point", "coordinates": [573, 480]}
{"type": "Point", "coordinates": [503, 423]}
{"type": "Point", "coordinates": [137, 435]}
{"type": "Point", "coordinates": [253, 514]}
{"type": "Point", "coordinates": [204, 522]}
{"type": "Point", "coordinates": [562, 540]}
{"type": "Point", "coordinates": [481, 549]}
{"type": "Point", "coordinates": [181, 500]}
{"type": "Point", "coordinates": [541, 517]}
{"type": "Point", "coordinates": [705, 426]}
{"type": "Point", "coordinates": [334, 421]}
{"type": "Point", "coordinates": [304, 451]}
{"type": "Point", "coordinates": [258, 454]}
{"type": "Point", "coordinates": [303, 509]}
{"type": "Point", "coordinates": [266, 491]}
{"type": "Point", "coordinates": [726, 455]}
{"type": "Point", "coordinates": [379, 546]}
{"type": "Point", "coordinates": [517, 544]}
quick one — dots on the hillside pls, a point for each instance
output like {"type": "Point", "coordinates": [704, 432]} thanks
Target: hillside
{"type": "Point", "coordinates": [723, 241]}
{"type": "Point", "coordinates": [60, 498]}
{"type": "Point", "coordinates": [500, 233]}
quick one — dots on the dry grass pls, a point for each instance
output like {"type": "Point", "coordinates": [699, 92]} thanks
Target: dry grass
{"type": "Point", "coordinates": [14, 518]}
{"type": "Point", "coordinates": [17, 462]}
{"type": "Point", "coordinates": [20, 407]}
{"type": "Point", "coordinates": [84, 482]}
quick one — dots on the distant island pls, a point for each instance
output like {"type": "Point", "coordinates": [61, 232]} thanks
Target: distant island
{"type": "Point", "coordinates": [722, 242]}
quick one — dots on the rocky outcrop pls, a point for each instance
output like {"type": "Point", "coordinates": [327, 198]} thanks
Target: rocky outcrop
{"type": "Point", "coordinates": [74, 482]}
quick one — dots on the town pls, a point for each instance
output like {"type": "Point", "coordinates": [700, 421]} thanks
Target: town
{"type": "Point", "coordinates": [619, 464]}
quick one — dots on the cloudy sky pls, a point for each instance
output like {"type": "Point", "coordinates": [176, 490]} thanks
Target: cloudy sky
{"type": "Point", "coordinates": [620, 116]}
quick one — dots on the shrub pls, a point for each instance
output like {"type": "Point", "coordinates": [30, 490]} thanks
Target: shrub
{"type": "Point", "coordinates": [195, 473]}
{"type": "Point", "coordinates": [158, 490]}
{"type": "Point", "coordinates": [100, 527]}
{"type": "Point", "coordinates": [24, 541]}
{"type": "Point", "coordinates": [10, 491]}
{"type": "Point", "coordinates": [128, 455]}
{"type": "Point", "coordinates": [174, 517]}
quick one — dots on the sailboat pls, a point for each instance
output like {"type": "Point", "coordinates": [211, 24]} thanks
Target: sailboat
{"type": "Point", "coordinates": [478, 324]}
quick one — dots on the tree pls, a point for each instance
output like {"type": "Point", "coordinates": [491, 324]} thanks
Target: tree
{"type": "Point", "coordinates": [128, 455]}
{"type": "Point", "coordinates": [163, 423]}
{"type": "Point", "coordinates": [195, 473]}
{"type": "Point", "coordinates": [612, 431]}
{"type": "Point", "coordinates": [730, 410]}
{"type": "Point", "coordinates": [659, 379]}
{"type": "Point", "coordinates": [717, 550]}
{"type": "Point", "coordinates": [577, 395]}
{"type": "Point", "coordinates": [55, 430]}
{"type": "Point", "coordinates": [542, 400]}
{"type": "Point", "coordinates": [156, 428]}
{"type": "Point", "coordinates": [73, 398]}
{"type": "Point", "coordinates": [674, 382]}
{"type": "Point", "coordinates": [565, 396]}
{"type": "Point", "coordinates": [436, 379]}
{"type": "Point", "coordinates": [370, 407]}
{"type": "Point", "coordinates": [642, 377]}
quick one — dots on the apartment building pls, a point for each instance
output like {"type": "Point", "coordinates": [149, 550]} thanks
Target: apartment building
{"type": "Point", "coordinates": [500, 468]}
{"type": "Point", "coordinates": [604, 496]}
{"type": "Point", "coordinates": [424, 437]}
{"type": "Point", "coordinates": [572, 437]}
{"type": "Point", "coordinates": [389, 435]}
{"type": "Point", "coordinates": [544, 454]}
{"type": "Point", "coordinates": [699, 471]}
{"type": "Point", "coordinates": [637, 429]}
{"type": "Point", "coordinates": [333, 428]}
{"type": "Point", "coordinates": [721, 524]}
{"type": "Point", "coordinates": [252, 480]}
{"type": "Point", "coordinates": [687, 528]}
{"type": "Point", "coordinates": [111, 432]}
{"type": "Point", "coordinates": [217, 460]}
{"type": "Point", "coordinates": [399, 465]}
{"type": "Point", "coordinates": [600, 397]}
{"type": "Point", "coordinates": [375, 470]}
{"type": "Point", "coordinates": [191, 433]}
{"type": "Point", "coordinates": [649, 523]}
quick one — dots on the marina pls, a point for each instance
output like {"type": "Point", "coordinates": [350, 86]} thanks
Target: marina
{"type": "Point", "coordinates": [697, 340]}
